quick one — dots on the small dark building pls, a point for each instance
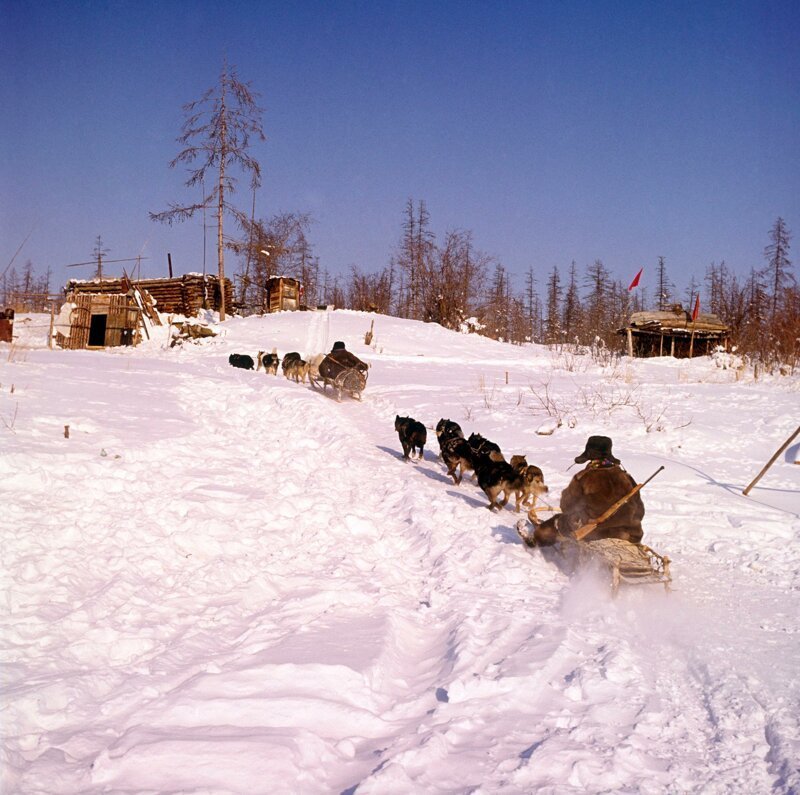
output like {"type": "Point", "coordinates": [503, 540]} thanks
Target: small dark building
{"type": "Point", "coordinates": [673, 333]}
{"type": "Point", "coordinates": [7, 325]}
{"type": "Point", "coordinates": [284, 294]}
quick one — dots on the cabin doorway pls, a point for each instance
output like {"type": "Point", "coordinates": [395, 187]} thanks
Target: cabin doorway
{"type": "Point", "coordinates": [97, 331]}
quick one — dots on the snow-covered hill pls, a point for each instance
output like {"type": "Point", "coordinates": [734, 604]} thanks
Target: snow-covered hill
{"type": "Point", "coordinates": [224, 581]}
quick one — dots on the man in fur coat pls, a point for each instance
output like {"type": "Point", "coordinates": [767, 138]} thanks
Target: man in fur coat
{"type": "Point", "coordinates": [591, 492]}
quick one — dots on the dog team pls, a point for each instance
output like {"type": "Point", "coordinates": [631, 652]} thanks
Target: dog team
{"type": "Point", "coordinates": [292, 364]}
{"type": "Point", "coordinates": [478, 455]}
{"type": "Point", "coordinates": [602, 484]}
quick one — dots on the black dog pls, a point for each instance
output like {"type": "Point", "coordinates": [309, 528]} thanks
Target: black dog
{"type": "Point", "coordinates": [481, 446]}
{"type": "Point", "coordinates": [447, 429]}
{"type": "Point", "coordinates": [456, 453]}
{"type": "Point", "coordinates": [241, 360]}
{"type": "Point", "coordinates": [496, 477]}
{"type": "Point", "coordinates": [412, 435]}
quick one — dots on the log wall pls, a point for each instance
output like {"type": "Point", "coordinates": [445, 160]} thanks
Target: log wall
{"type": "Point", "coordinates": [184, 295]}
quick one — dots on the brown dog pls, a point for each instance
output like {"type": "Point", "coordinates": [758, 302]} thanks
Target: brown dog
{"type": "Point", "coordinates": [296, 369]}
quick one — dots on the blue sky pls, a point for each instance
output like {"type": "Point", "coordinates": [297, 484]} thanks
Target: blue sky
{"type": "Point", "coordinates": [554, 131]}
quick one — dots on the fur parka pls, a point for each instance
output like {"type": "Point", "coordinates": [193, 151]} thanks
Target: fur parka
{"type": "Point", "coordinates": [589, 494]}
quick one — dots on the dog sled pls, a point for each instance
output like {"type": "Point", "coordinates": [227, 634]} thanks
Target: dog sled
{"type": "Point", "coordinates": [624, 562]}
{"type": "Point", "coordinates": [344, 372]}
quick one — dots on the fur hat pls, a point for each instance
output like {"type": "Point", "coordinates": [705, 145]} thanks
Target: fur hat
{"type": "Point", "coordinates": [597, 448]}
{"type": "Point", "coordinates": [338, 346]}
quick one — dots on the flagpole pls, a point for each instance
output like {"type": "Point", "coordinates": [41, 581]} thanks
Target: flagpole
{"type": "Point", "coordinates": [629, 332]}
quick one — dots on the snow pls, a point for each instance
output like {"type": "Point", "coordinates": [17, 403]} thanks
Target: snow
{"type": "Point", "coordinates": [224, 581]}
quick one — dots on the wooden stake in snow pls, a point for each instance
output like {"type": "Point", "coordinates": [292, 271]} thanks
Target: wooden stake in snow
{"type": "Point", "coordinates": [771, 461]}
{"type": "Point", "coordinates": [66, 431]}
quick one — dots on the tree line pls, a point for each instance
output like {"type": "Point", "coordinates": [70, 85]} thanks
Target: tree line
{"type": "Point", "coordinates": [24, 289]}
{"type": "Point", "coordinates": [449, 280]}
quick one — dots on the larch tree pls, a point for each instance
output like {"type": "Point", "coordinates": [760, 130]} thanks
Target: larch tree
{"type": "Point", "coordinates": [664, 287]}
{"type": "Point", "coordinates": [572, 306]}
{"type": "Point", "coordinates": [777, 272]}
{"type": "Point", "coordinates": [416, 250]}
{"type": "Point", "coordinates": [553, 319]}
{"type": "Point", "coordinates": [596, 307]}
{"type": "Point", "coordinates": [217, 136]}
{"type": "Point", "coordinates": [533, 306]}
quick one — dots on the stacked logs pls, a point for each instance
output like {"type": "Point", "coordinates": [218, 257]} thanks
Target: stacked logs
{"type": "Point", "coordinates": [185, 295]}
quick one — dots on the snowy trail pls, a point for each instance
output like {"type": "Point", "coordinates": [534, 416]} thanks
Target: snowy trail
{"type": "Point", "coordinates": [256, 594]}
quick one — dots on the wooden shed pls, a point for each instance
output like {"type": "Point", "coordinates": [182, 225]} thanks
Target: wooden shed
{"type": "Point", "coordinates": [7, 325]}
{"type": "Point", "coordinates": [183, 295]}
{"type": "Point", "coordinates": [284, 293]}
{"type": "Point", "coordinates": [98, 320]}
{"type": "Point", "coordinates": [673, 333]}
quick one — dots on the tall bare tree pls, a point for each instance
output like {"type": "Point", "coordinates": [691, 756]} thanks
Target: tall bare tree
{"type": "Point", "coordinates": [572, 307]}
{"type": "Point", "coordinates": [217, 135]}
{"type": "Point", "coordinates": [664, 286]}
{"type": "Point", "coordinates": [553, 320]}
{"type": "Point", "coordinates": [414, 257]}
{"type": "Point", "coordinates": [777, 272]}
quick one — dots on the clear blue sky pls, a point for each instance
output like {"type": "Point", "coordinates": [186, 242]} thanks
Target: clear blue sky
{"type": "Point", "coordinates": [554, 131]}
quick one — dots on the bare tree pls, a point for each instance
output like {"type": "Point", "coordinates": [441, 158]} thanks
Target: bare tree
{"type": "Point", "coordinates": [416, 249]}
{"type": "Point", "coordinates": [216, 137]}
{"type": "Point", "coordinates": [273, 247]}
{"type": "Point", "coordinates": [455, 280]}
{"type": "Point", "coordinates": [553, 321]}
{"type": "Point", "coordinates": [572, 307]}
{"type": "Point", "coordinates": [778, 267]}
{"type": "Point", "coordinates": [533, 307]}
{"type": "Point", "coordinates": [664, 286]}
{"type": "Point", "coordinates": [597, 308]}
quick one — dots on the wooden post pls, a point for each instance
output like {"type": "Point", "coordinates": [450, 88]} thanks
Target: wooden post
{"type": "Point", "coordinates": [691, 339]}
{"type": "Point", "coordinates": [672, 346]}
{"type": "Point", "coordinates": [169, 264]}
{"type": "Point", "coordinates": [506, 377]}
{"type": "Point", "coordinates": [771, 461]}
{"type": "Point", "coordinates": [661, 344]}
{"type": "Point", "coordinates": [52, 323]}
{"type": "Point", "coordinates": [630, 342]}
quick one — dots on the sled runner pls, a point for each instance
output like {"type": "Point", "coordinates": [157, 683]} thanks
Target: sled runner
{"type": "Point", "coordinates": [631, 564]}
{"type": "Point", "coordinates": [624, 562]}
{"type": "Point", "coordinates": [344, 372]}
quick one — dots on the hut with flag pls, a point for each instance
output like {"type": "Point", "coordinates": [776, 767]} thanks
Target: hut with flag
{"type": "Point", "coordinates": [674, 332]}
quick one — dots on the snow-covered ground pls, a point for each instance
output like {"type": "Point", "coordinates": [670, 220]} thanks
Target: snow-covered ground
{"type": "Point", "coordinates": [226, 582]}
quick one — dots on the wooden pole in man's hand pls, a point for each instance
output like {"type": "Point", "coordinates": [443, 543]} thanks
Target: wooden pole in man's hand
{"type": "Point", "coordinates": [587, 528]}
{"type": "Point", "coordinates": [771, 461]}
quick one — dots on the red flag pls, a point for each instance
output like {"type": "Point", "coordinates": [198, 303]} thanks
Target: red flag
{"type": "Point", "coordinates": [635, 282]}
{"type": "Point", "coordinates": [696, 311]}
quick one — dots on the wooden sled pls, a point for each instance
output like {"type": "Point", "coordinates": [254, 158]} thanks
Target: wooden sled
{"type": "Point", "coordinates": [626, 563]}
{"type": "Point", "coordinates": [344, 372]}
